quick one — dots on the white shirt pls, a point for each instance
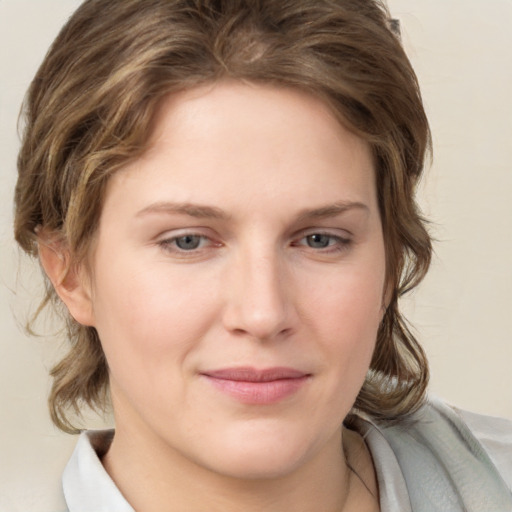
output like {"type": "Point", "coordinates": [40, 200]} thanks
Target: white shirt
{"type": "Point", "coordinates": [439, 460]}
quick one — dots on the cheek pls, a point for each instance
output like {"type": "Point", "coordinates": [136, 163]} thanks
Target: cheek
{"type": "Point", "coordinates": [147, 319]}
{"type": "Point", "coordinates": [345, 314]}
{"type": "Point", "coordinates": [150, 324]}
{"type": "Point", "coordinates": [350, 300]}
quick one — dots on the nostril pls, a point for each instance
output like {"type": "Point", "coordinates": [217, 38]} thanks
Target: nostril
{"type": "Point", "coordinates": [262, 336]}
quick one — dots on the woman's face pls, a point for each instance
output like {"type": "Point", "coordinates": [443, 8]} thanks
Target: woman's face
{"type": "Point", "coordinates": [238, 280]}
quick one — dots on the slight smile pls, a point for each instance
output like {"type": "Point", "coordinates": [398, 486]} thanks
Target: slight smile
{"type": "Point", "coordinates": [257, 387]}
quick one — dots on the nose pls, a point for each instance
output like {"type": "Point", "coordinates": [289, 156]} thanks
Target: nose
{"type": "Point", "coordinates": [258, 296]}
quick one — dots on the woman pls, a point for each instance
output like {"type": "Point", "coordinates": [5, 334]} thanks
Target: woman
{"type": "Point", "coordinates": [222, 196]}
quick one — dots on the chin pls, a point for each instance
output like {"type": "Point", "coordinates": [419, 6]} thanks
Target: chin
{"type": "Point", "coordinates": [261, 465]}
{"type": "Point", "coordinates": [259, 455]}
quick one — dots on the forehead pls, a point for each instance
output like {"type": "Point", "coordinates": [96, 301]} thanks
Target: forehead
{"type": "Point", "coordinates": [228, 140]}
{"type": "Point", "coordinates": [255, 111]}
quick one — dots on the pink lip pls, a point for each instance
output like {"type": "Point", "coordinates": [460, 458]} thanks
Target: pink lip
{"type": "Point", "coordinates": [257, 387]}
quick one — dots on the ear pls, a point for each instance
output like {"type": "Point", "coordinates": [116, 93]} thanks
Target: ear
{"type": "Point", "coordinates": [70, 281]}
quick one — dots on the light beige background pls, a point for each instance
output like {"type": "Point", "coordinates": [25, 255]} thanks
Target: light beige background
{"type": "Point", "coordinates": [462, 51]}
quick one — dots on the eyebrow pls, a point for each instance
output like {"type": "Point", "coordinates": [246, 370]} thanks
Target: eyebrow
{"type": "Point", "coordinates": [212, 212]}
{"type": "Point", "coordinates": [191, 209]}
{"type": "Point", "coordinates": [332, 210]}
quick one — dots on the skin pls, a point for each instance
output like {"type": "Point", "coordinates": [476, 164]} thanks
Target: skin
{"type": "Point", "coordinates": [284, 266]}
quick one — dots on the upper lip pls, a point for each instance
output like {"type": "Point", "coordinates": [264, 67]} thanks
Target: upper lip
{"type": "Point", "coordinates": [248, 374]}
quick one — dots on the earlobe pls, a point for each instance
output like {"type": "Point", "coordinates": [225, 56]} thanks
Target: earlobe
{"type": "Point", "coordinates": [69, 281]}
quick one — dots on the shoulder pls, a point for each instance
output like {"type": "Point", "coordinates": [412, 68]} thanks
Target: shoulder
{"type": "Point", "coordinates": [454, 457]}
{"type": "Point", "coordinates": [495, 436]}
{"type": "Point", "coordinates": [478, 433]}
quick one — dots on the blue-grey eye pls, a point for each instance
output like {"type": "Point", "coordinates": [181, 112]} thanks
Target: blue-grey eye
{"type": "Point", "coordinates": [319, 241]}
{"type": "Point", "coordinates": [188, 242]}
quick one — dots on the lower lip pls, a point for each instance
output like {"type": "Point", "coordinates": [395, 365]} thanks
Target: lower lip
{"type": "Point", "coordinates": [258, 393]}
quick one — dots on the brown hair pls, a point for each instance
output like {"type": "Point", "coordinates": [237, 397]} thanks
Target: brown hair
{"type": "Point", "coordinates": [89, 109]}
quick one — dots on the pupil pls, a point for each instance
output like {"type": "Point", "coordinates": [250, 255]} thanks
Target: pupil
{"type": "Point", "coordinates": [188, 242]}
{"type": "Point", "coordinates": [318, 241]}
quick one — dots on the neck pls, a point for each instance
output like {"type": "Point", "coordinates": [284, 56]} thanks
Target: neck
{"type": "Point", "coordinates": [154, 477]}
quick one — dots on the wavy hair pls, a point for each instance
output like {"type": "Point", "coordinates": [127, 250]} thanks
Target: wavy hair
{"type": "Point", "coordinates": [89, 110]}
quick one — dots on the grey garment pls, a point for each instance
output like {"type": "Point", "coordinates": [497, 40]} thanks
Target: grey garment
{"type": "Point", "coordinates": [443, 460]}
{"type": "Point", "coordinates": [438, 460]}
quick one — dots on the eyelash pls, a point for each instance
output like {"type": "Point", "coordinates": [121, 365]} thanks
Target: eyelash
{"type": "Point", "coordinates": [170, 244]}
{"type": "Point", "coordinates": [335, 243]}
{"type": "Point", "coordinates": [339, 243]}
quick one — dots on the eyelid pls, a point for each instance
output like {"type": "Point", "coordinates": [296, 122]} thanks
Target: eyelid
{"type": "Point", "coordinates": [343, 241]}
{"type": "Point", "coordinates": [342, 234]}
{"type": "Point", "coordinates": [167, 239]}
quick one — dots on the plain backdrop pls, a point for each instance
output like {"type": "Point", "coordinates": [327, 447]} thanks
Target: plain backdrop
{"type": "Point", "coordinates": [462, 52]}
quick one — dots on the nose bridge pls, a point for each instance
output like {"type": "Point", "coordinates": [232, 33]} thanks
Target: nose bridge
{"type": "Point", "coordinates": [257, 303]}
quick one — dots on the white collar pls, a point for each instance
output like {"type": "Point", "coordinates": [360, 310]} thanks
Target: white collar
{"type": "Point", "coordinates": [88, 487]}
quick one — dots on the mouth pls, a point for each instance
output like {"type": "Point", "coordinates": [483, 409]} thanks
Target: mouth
{"type": "Point", "coordinates": [257, 387]}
